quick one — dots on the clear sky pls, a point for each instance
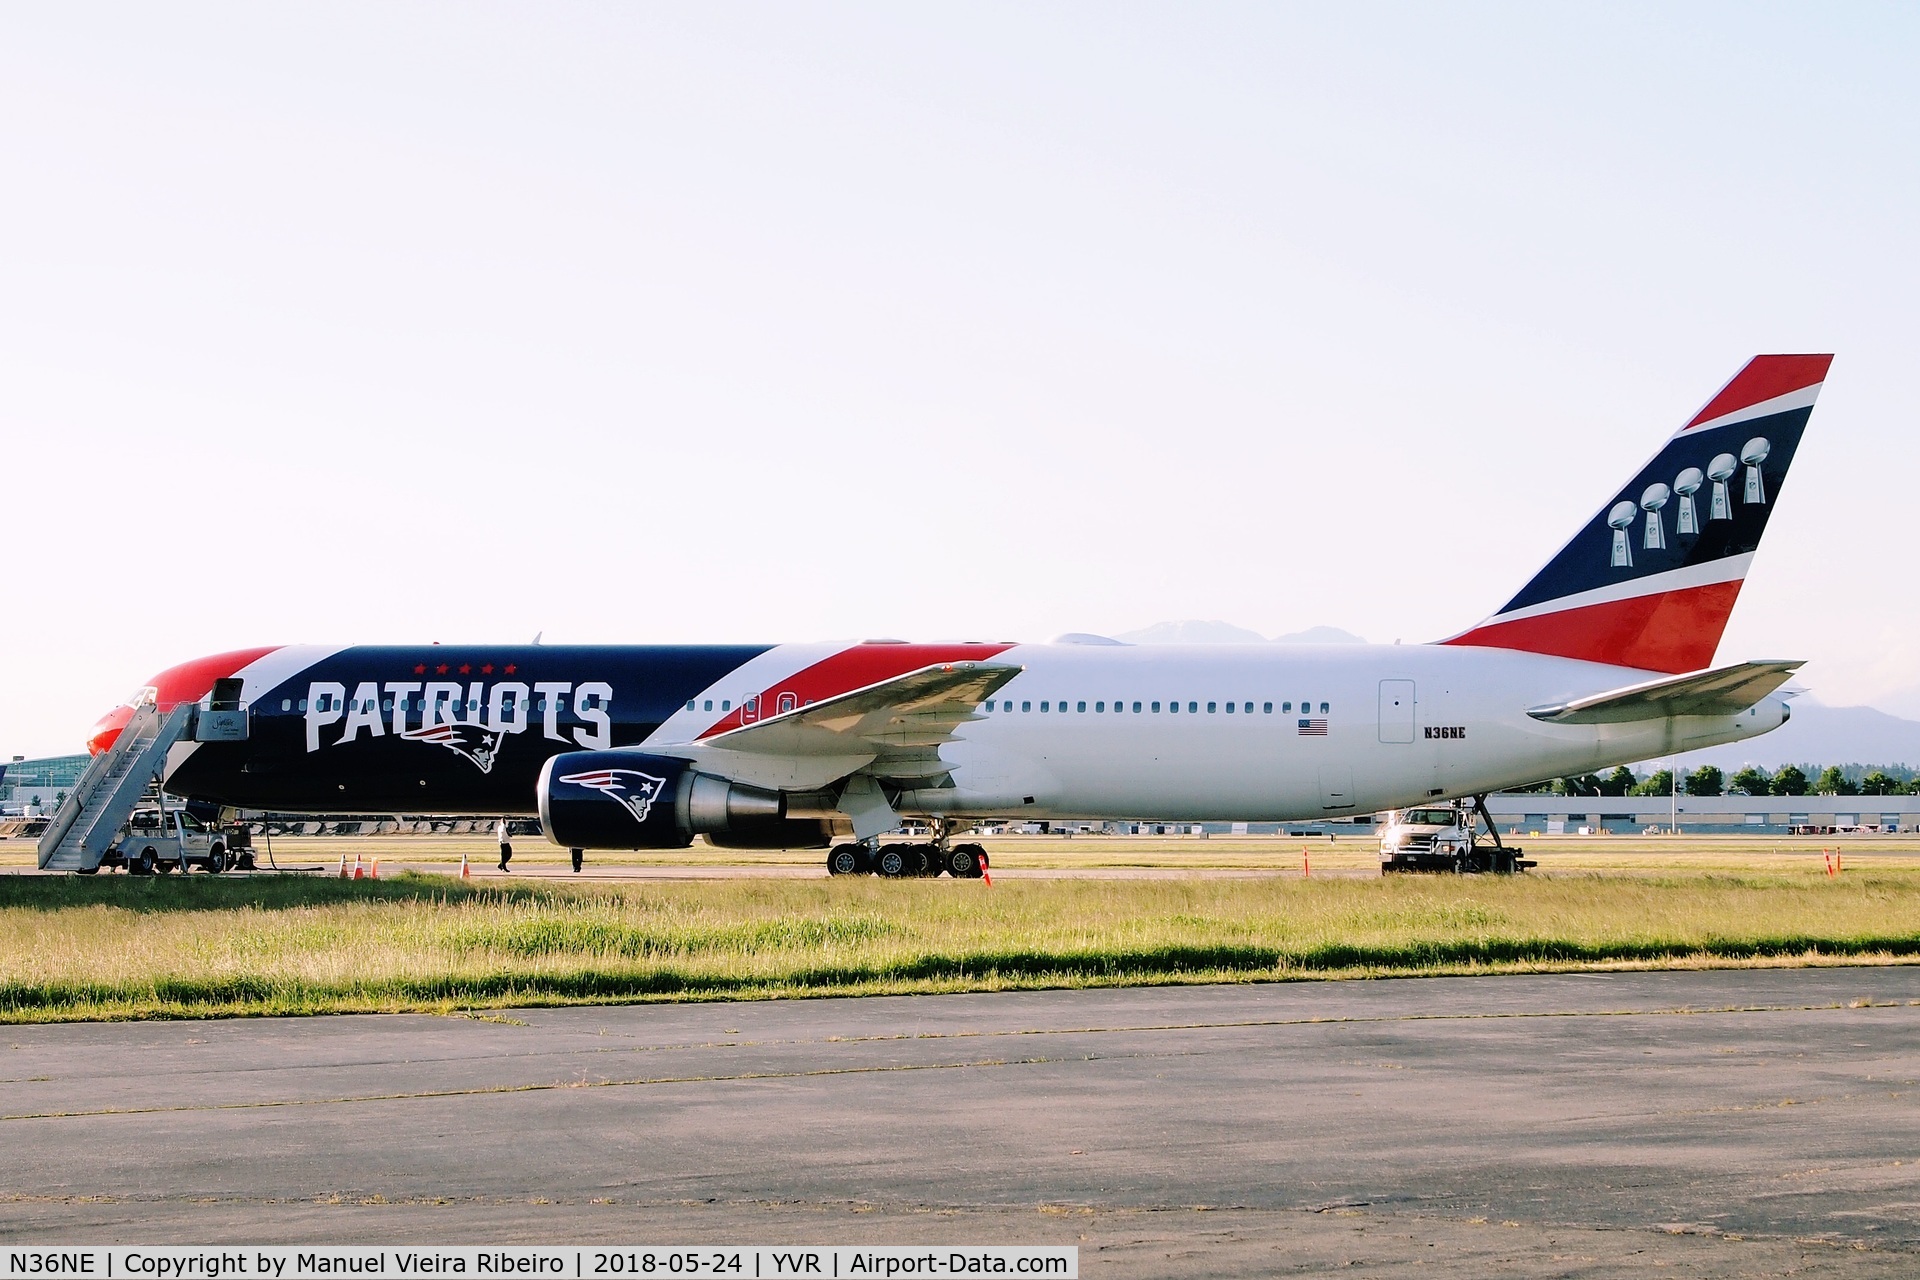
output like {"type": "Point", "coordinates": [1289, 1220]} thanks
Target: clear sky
{"type": "Point", "coordinates": [701, 322]}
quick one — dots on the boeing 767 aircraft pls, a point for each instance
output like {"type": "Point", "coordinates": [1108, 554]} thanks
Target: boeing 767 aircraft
{"type": "Point", "coordinates": [1604, 656]}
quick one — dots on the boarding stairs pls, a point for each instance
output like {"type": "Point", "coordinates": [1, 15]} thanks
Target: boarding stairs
{"type": "Point", "coordinates": [105, 797]}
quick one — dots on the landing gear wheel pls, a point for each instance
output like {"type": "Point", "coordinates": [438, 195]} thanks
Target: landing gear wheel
{"type": "Point", "coordinates": [892, 861]}
{"type": "Point", "coordinates": [579, 856]}
{"type": "Point", "coordinates": [844, 860]}
{"type": "Point", "coordinates": [929, 861]}
{"type": "Point", "coordinates": [963, 861]}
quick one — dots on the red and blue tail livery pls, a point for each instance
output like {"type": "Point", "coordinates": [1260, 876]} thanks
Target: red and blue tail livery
{"type": "Point", "coordinates": [1602, 658]}
{"type": "Point", "coordinates": [1652, 578]}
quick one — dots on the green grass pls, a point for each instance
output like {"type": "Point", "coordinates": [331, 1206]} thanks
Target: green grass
{"type": "Point", "coordinates": [166, 947]}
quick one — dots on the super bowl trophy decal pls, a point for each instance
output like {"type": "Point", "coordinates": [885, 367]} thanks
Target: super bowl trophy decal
{"type": "Point", "coordinates": [1620, 519]}
{"type": "Point", "coordinates": [1753, 455]}
{"type": "Point", "coordinates": [1651, 501]}
{"type": "Point", "coordinates": [1720, 470]}
{"type": "Point", "coordinates": [1686, 484]}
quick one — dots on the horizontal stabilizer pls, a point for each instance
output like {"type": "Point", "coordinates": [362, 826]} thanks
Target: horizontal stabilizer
{"type": "Point", "coordinates": [1723, 691]}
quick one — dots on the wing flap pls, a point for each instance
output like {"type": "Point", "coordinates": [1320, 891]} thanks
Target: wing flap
{"type": "Point", "coordinates": [1721, 691]}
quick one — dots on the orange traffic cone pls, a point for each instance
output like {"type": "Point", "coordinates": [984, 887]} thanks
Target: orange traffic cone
{"type": "Point", "coordinates": [984, 873]}
{"type": "Point", "coordinates": [1306, 864]}
{"type": "Point", "coordinates": [466, 872]}
{"type": "Point", "coordinates": [343, 864]}
{"type": "Point", "coordinates": [376, 868]}
{"type": "Point", "coordinates": [359, 872]}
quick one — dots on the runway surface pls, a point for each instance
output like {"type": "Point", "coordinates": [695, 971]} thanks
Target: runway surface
{"type": "Point", "coordinates": [1712, 1123]}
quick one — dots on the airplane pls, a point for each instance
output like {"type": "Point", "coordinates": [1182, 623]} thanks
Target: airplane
{"type": "Point", "coordinates": [1603, 657]}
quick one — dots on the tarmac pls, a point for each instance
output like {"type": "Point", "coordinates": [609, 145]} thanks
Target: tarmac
{"type": "Point", "coordinates": [1731, 1122]}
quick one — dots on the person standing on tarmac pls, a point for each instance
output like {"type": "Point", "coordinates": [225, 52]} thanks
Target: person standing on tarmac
{"type": "Point", "coordinates": [503, 834]}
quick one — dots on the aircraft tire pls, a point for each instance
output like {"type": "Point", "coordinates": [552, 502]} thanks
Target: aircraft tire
{"type": "Point", "coordinates": [963, 862]}
{"type": "Point", "coordinates": [893, 861]}
{"type": "Point", "coordinates": [844, 860]}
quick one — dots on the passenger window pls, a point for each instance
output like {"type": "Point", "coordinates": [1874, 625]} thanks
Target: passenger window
{"type": "Point", "coordinates": [725, 705]}
{"type": "Point", "coordinates": [1173, 708]}
{"type": "Point", "coordinates": [788, 701]}
{"type": "Point", "coordinates": [286, 704]}
{"type": "Point", "coordinates": [1045, 705]}
{"type": "Point", "coordinates": [303, 704]}
{"type": "Point", "coordinates": [1323, 708]}
{"type": "Point", "coordinates": [690, 705]}
{"type": "Point", "coordinates": [1026, 706]}
{"type": "Point", "coordinates": [1194, 707]}
{"type": "Point", "coordinates": [1286, 706]}
{"type": "Point", "coordinates": [387, 705]}
{"type": "Point", "coordinates": [1249, 708]}
{"type": "Point", "coordinates": [1136, 708]}
{"type": "Point", "coordinates": [1266, 708]}
{"type": "Point", "coordinates": [1209, 708]}
{"type": "Point", "coordinates": [1079, 706]}
{"type": "Point", "coordinates": [709, 706]}
{"type": "Point", "coordinates": [1099, 706]}
{"type": "Point", "coordinates": [1229, 707]}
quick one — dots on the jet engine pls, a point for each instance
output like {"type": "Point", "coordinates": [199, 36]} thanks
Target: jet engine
{"type": "Point", "coordinates": [630, 800]}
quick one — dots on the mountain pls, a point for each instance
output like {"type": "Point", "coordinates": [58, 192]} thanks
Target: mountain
{"type": "Point", "coordinates": [1194, 631]}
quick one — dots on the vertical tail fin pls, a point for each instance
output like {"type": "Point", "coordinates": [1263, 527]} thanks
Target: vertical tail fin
{"type": "Point", "coordinates": [1651, 579]}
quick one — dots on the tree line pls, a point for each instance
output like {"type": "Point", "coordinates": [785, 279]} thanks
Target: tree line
{"type": "Point", "coordinates": [1707, 780]}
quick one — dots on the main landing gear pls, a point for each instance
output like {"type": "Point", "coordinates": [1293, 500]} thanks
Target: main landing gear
{"type": "Point", "coordinates": [898, 861]}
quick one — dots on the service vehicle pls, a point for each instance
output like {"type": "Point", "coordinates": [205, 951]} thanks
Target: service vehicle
{"type": "Point", "coordinates": [161, 839]}
{"type": "Point", "coordinates": [1445, 838]}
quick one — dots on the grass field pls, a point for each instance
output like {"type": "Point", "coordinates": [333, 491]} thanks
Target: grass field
{"type": "Point", "coordinates": [117, 947]}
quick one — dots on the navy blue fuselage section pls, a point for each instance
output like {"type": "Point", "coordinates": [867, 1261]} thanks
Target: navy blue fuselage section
{"type": "Point", "coordinates": [1707, 513]}
{"type": "Point", "coordinates": [446, 728]}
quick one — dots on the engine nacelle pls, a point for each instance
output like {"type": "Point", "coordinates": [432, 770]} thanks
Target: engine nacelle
{"type": "Point", "coordinates": [630, 800]}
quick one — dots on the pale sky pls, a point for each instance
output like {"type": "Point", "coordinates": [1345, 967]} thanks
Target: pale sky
{"type": "Point", "coordinates": [707, 322]}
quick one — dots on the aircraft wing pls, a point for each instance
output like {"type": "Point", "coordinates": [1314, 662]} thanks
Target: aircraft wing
{"type": "Point", "coordinates": [900, 722]}
{"type": "Point", "coordinates": [1721, 691]}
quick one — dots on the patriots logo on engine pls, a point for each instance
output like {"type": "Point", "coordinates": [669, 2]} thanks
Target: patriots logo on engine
{"type": "Point", "coordinates": [475, 742]}
{"type": "Point", "coordinates": [630, 787]}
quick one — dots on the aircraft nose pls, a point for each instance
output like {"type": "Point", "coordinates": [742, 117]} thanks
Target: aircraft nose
{"type": "Point", "coordinates": [106, 730]}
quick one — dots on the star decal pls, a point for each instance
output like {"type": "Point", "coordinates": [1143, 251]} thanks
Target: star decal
{"type": "Point", "coordinates": [440, 670]}
{"type": "Point", "coordinates": [487, 670]}
{"type": "Point", "coordinates": [466, 668]}
{"type": "Point", "coordinates": [509, 668]}
{"type": "Point", "coordinates": [419, 668]}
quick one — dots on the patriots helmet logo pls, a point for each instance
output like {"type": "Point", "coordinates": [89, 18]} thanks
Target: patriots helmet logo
{"type": "Point", "coordinates": [475, 742]}
{"type": "Point", "coordinates": [630, 787]}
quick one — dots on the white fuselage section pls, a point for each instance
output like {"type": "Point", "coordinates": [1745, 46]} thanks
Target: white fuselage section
{"type": "Point", "coordinates": [1286, 733]}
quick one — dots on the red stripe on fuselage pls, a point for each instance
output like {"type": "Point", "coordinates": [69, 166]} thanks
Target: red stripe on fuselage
{"type": "Point", "coordinates": [1764, 378]}
{"type": "Point", "coordinates": [188, 682]}
{"type": "Point", "coordinates": [1671, 631]}
{"type": "Point", "coordinates": [855, 668]}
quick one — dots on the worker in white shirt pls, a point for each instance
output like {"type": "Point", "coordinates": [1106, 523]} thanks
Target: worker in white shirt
{"type": "Point", "coordinates": [502, 833]}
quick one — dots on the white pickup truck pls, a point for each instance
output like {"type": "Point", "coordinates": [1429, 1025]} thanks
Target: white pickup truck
{"type": "Point", "coordinates": [161, 839]}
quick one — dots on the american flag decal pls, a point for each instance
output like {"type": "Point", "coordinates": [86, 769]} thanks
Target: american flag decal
{"type": "Point", "coordinates": [1315, 728]}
